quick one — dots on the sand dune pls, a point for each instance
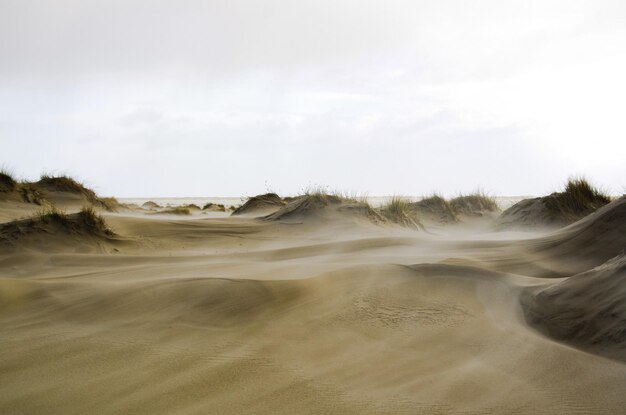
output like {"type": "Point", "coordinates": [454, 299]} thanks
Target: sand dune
{"type": "Point", "coordinates": [320, 307]}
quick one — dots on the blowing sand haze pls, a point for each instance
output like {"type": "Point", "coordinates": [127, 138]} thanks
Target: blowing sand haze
{"type": "Point", "coordinates": [287, 207]}
{"type": "Point", "coordinates": [315, 304]}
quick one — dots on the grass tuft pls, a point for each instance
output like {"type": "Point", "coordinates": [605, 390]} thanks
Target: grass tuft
{"type": "Point", "coordinates": [578, 199]}
{"type": "Point", "coordinates": [214, 206]}
{"type": "Point", "coordinates": [399, 210]}
{"type": "Point", "coordinates": [7, 181]}
{"type": "Point", "coordinates": [87, 220]}
{"type": "Point", "coordinates": [176, 210]}
{"type": "Point", "coordinates": [474, 204]}
{"type": "Point", "coordinates": [437, 206]}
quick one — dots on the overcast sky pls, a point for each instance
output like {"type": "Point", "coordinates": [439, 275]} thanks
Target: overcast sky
{"type": "Point", "coordinates": [230, 98]}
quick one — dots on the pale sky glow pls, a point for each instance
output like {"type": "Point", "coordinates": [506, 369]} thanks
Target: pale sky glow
{"type": "Point", "coordinates": [228, 98]}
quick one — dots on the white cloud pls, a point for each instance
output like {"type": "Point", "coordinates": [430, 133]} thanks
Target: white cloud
{"type": "Point", "coordinates": [398, 96]}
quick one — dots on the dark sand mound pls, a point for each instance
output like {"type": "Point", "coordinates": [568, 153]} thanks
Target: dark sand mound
{"type": "Point", "coordinates": [261, 204]}
{"type": "Point", "coordinates": [324, 207]}
{"type": "Point", "coordinates": [588, 242]}
{"type": "Point", "coordinates": [191, 207]}
{"type": "Point", "coordinates": [53, 230]}
{"type": "Point", "coordinates": [61, 191]}
{"type": "Point", "coordinates": [112, 204]}
{"type": "Point", "coordinates": [177, 210]}
{"type": "Point", "coordinates": [587, 310]}
{"type": "Point", "coordinates": [151, 205]}
{"type": "Point", "coordinates": [436, 209]}
{"type": "Point", "coordinates": [12, 190]}
{"type": "Point", "coordinates": [64, 187]}
{"type": "Point", "coordinates": [7, 183]}
{"type": "Point", "coordinates": [578, 200]}
{"type": "Point", "coordinates": [214, 207]}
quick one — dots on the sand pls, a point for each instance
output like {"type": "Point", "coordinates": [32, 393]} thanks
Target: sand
{"type": "Point", "coordinates": [230, 315]}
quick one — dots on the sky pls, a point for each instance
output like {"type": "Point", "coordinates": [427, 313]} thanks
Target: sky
{"type": "Point", "coordinates": [234, 98]}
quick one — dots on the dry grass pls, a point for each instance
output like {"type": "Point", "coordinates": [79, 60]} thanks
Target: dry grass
{"type": "Point", "coordinates": [214, 206]}
{"type": "Point", "coordinates": [86, 221]}
{"type": "Point", "coordinates": [399, 210]}
{"type": "Point", "coordinates": [62, 184]}
{"type": "Point", "coordinates": [7, 181]}
{"type": "Point", "coordinates": [474, 204]}
{"type": "Point", "coordinates": [436, 206]}
{"type": "Point", "coordinates": [110, 203]}
{"type": "Point", "coordinates": [578, 199]}
{"type": "Point", "coordinates": [323, 193]}
{"type": "Point", "coordinates": [177, 210]}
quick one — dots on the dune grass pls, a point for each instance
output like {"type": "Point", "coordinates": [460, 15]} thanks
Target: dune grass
{"type": "Point", "coordinates": [323, 193]}
{"type": "Point", "coordinates": [86, 220]}
{"type": "Point", "coordinates": [474, 203]}
{"type": "Point", "coordinates": [110, 203]}
{"type": "Point", "coordinates": [399, 210]}
{"type": "Point", "coordinates": [176, 210]}
{"type": "Point", "coordinates": [7, 180]}
{"type": "Point", "coordinates": [63, 183]}
{"type": "Point", "coordinates": [436, 205]}
{"type": "Point", "coordinates": [216, 206]}
{"type": "Point", "coordinates": [579, 198]}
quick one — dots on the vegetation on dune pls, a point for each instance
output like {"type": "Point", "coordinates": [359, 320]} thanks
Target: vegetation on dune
{"type": "Point", "coordinates": [473, 204]}
{"type": "Point", "coordinates": [214, 206]}
{"type": "Point", "coordinates": [87, 219]}
{"type": "Point", "coordinates": [176, 210]}
{"type": "Point", "coordinates": [110, 203]}
{"type": "Point", "coordinates": [151, 205]}
{"type": "Point", "coordinates": [437, 206]}
{"type": "Point", "coordinates": [62, 183]}
{"type": "Point", "coordinates": [92, 221]}
{"type": "Point", "coordinates": [449, 211]}
{"type": "Point", "coordinates": [578, 199]}
{"type": "Point", "coordinates": [30, 194]}
{"type": "Point", "coordinates": [68, 184]}
{"type": "Point", "coordinates": [26, 191]}
{"type": "Point", "coordinates": [7, 181]}
{"type": "Point", "coordinates": [191, 206]}
{"type": "Point", "coordinates": [255, 203]}
{"type": "Point", "coordinates": [50, 220]}
{"type": "Point", "coordinates": [399, 210]}
{"type": "Point", "coordinates": [322, 193]}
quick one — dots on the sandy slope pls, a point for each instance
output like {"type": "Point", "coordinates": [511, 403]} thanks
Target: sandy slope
{"type": "Point", "coordinates": [234, 315]}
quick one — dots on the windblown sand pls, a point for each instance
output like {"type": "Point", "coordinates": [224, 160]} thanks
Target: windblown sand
{"type": "Point", "coordinates": [232, 315]}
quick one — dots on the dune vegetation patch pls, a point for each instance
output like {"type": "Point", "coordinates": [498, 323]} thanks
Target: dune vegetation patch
{"type": "Point", "coordinates": [176, 210]}
{"type": "Point", "coordinates": [578, 199]}
{"type": "Point", "coordinates": [151, 205]}
{"type": "Point", "coordinates": [53, 221]}
{"type": "Point", "coordinates": [434, 207]}
{"type": "Point", "coordinates": [214, 207]}
{"type": "Point", "coordinates": [474, 204]}
{"type": "Point", "coordinates": [399, 210]}
{"type": "Point", "coordinates": [7, 181]}
{"type": "Point", "coordinates": [66, 184]}
{"type": "Point", "coordinates": [317, 202]}
{"type": "Point", "coordinates": [446, 211]}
